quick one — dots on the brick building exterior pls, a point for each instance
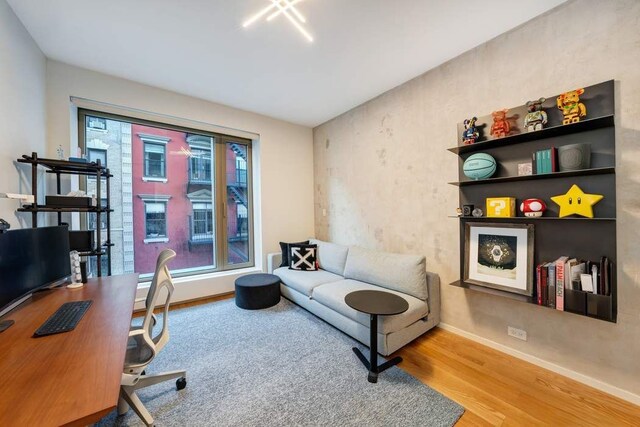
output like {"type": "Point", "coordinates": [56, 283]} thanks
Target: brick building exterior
{"type": "Point", "coordinates": [162, 195]}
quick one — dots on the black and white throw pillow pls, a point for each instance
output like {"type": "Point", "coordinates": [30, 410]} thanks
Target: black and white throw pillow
{"type": "Point", "coordinates": [284, 247]}
{"type": "Point", "coordinates": [303, 257]}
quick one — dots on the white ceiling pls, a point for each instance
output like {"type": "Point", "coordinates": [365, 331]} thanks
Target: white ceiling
{"type": "Point", "coordinates": [361, 49]}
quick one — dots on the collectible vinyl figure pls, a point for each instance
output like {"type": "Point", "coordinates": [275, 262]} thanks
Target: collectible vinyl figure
{"type": "Point", "coordinates": [500, 126]}
{"type": "Point", "coordinates": [571, 107]}
{"type": "Point", "coordinates": [536, 118]}
{"type": "Point", "coordinates": [470, 134]}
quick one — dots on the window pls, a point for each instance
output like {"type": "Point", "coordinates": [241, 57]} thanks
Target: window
{"type": "Point", "coordinates": [154, 160]}
{"type": "Point", "coordinates": [95, 154]}
{"type": "Point", "coordinates": [97, 123]}
{"type": "Point", "coordinates": [103, 219]}
{"type": "Point", "coordinates": [174, 187]}
{"type": "Point", "coordinates": [155, 220]}
{"type": "Point", "coordinates": [241, 171]}
{"type": "Point", "coordinates": [200, 165]}
{"type": "Point", "coordinates": [238, 250]}
{"type": "Point", "coordinates": [202, 223]}
{"type": "Point", "coordinates": [242, 227]}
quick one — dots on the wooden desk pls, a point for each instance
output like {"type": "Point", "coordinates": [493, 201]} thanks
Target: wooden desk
{"type": "Point", "coordinates": [70, 378]}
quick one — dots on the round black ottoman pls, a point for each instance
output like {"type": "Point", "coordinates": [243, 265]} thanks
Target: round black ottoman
{"type": "Point", "coordinates": [256, 291]}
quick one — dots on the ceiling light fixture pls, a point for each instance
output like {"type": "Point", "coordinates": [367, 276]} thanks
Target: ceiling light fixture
{"type": "Point", "coordinates": [289, 5]}
{"type": "Point", "coordinates": [282, 7]}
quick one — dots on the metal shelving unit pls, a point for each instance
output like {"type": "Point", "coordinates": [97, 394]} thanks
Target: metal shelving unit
{"type": "Point", "coordinates": [60, 167]}
{"type": "Point", "coordinates": [584, 238]}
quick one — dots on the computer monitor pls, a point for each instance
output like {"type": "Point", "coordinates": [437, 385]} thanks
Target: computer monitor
{"type": "Point", "coordinates": [31, 259]}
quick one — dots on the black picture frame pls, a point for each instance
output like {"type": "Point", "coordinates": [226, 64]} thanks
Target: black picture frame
{"type": "Point", "coordinates": [500, 256]}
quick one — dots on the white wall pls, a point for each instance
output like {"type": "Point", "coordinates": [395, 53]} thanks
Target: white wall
{"type": "Point", "coordinates": [382, 171]}
{"type": "Point", "coordinates": [22, 109]}
{"type": "Point", "coordinates": [285, 152]}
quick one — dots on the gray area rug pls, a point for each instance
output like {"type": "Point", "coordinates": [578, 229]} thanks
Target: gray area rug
{"type": "Point", "coordinates": [277, 367]}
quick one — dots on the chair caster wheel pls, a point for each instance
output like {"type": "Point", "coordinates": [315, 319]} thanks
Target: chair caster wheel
{"type": "Point", "coordinates": [181, 383]}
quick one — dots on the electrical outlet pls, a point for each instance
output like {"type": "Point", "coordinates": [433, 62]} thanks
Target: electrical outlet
{"type": "Point", "coordinates": [521, 334]}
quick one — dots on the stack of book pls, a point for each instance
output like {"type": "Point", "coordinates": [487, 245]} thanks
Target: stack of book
{"type": "Point", "coordinates": [545, 161]}
{"type": "Point", "coordinates": [552, 278]}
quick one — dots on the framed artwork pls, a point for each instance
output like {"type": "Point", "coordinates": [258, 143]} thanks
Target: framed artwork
{"type": "Point", "coordinates": [499, 256]}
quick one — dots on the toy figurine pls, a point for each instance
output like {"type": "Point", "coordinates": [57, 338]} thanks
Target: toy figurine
{"type": "Point", "coordinates": [477, 213]}
{"type": "Point", "coordinates": [576, 201]}
{"type": "Point", "coordinates": [571, 107]}
{"type": "Point", "coordinates": [470, 134]}
{"type": "Point", "coordinates": [500, 126]}
{"type": "Point", "coordinates": [533, 207]}
{"type": "Point", "coordinates": [536, 118]}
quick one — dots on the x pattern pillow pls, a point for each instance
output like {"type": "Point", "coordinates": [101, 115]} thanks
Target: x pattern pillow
{"type": "Point", "coordinates": [284, 247]}
{"type": "Point", "coordinates": [303, 257]}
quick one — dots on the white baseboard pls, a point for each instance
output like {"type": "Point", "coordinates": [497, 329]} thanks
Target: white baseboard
{"type": "Point", "coordinates": [592, 382]}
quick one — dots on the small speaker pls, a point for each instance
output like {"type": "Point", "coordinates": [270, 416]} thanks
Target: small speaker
{"type": "Point", "coordinates": [574, 157]}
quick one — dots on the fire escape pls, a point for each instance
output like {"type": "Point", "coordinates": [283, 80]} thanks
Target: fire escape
{"type": "Point", "coordinates": [237, 193]}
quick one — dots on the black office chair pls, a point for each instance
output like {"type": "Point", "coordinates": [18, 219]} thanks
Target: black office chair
{"type": "Point", "coordinates": [143, 346]}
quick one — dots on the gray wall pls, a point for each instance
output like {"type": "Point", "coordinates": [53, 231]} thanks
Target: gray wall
{"type": "Point", "coordinates": [22, 109]}
{"type": "Point", "coordinates": [381, 173]}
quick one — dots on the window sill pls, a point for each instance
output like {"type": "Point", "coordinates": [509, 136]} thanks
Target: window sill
{"type": "Point", "coordinates": [156, 240]}
{"type": "Point", "coordinates": [151, 179]}
{"type": "Point", "coordinates": [145, 283]}
{"type": "Point", "coordinates": [201, 242]}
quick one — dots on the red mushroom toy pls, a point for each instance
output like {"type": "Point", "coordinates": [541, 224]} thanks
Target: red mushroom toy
{"type": "Point", "coordinates": [533, 207]}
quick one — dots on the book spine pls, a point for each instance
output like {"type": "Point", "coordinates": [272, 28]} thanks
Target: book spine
{"type": "Point", "coordinates": [539, 162]}
{"type": "Point", "coordinates": [539, 284]}
{"type": "Point", "coordinates": [554, 159]}
{"type": "Point", "coordinates": [560, 285]}
{"type": "Point", "coordinates": [601, 277]}
{"type": "Point", "coordinates": [552, 285]}
{"type": "Point", "coordinates": [534, 164]}
{"type": "Point", "coordinates": [544, 285]}
{"type": "Point", "coordinates": [546, 155]}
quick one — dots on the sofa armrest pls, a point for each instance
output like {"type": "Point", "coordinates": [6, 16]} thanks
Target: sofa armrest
{"type": "Point", "coordinates": [273, 261]}
{"type": "Point", "coordinates": [433, 285]}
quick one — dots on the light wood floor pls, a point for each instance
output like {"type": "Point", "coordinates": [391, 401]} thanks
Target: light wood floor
{"type": "Point", "coordinates": [498, 389]}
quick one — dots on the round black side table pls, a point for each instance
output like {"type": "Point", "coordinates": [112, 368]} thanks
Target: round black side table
{"type": "Point", "coordinates": [256, 291]}
{"type": "Point", "coordinates": [376, 303]}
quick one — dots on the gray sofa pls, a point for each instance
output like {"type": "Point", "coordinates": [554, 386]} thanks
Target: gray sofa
{"type": "Point", "coordinates": [345, 269]}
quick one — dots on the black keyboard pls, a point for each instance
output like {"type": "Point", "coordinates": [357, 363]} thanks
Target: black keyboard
{"type": "Point", "coordinates": [64, 319]}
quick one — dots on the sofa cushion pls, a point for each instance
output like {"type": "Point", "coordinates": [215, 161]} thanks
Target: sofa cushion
{"type": "Point", "coordinates": [305, 281]}
{"type": "Point", "coordinates": [398, 272]}
{"type": "Point", "coordinates": [331, 257]}
{"type": "Point", "coordinates": [284, 248]}
{"type": "Point", "coordinates": [332, 296]}
{"type": "Point", "coordinates": [303, 257]}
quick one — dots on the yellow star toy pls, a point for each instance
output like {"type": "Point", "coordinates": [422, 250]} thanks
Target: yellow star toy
{"type": "Point", "coordinates": [576, 202]}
